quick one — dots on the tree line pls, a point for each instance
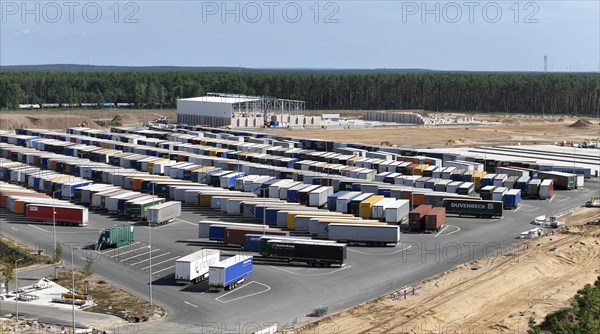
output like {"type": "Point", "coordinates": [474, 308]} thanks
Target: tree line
{"type": "Point", "coordinates": [560, 93]}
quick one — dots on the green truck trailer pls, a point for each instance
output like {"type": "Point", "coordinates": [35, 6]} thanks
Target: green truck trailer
{"type": "Point", "coordinates": [477, 208]}
{"type": "Point", "coordinates": [115, 237]}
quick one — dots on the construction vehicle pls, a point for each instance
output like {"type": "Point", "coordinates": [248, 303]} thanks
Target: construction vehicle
{"type": "Point", "coordinates": [161, 119]}
{"type": "Point", "coordinates": [593, 203]}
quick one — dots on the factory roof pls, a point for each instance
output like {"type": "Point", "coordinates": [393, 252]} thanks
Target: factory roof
{"type": "Point", "coordinates": [221, 99]}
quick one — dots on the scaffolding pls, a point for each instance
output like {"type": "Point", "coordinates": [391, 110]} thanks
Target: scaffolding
{"type": "Point", "coordinates": [265, 106]}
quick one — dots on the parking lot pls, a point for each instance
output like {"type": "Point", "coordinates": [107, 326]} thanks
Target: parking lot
{"type": "Point", "coordinates": [369, 272]}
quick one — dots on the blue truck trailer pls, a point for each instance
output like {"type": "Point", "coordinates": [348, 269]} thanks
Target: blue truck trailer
{"type": "Point", "coordinates": [230, 272]}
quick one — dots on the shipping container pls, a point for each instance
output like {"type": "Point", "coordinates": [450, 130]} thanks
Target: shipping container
{"type": "Point", "coordinates": [378, 209]}
{"type": "Point", "coordinates": [115, 237]}
{"type": "Point", "coordinates": [354, 206]}
{"type": "Point", "coordinates": [231, 272]}
{"type": "Point", "coordinates": [319, 226]}
{"type": "Point", "coordinates": [416, 218]}
{"type": "Point", "coordinates": [292, 216]}
{"type": "Point", "coordinates": [371, 235]}
{"type": "Point", "coordinates": [435, 219]}
{"type": "Point", "coordinates": [477, 208]}
{"type": "Point", "coordinates": [193, 268]}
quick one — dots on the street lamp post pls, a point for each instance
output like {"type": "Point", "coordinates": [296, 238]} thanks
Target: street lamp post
{"type": "Point", "coordinates": [150, 257]}
{"type": "Point", "coordinates": [54, 223]}
{"type": "Point", "coordinates": [17, 287]}
{"type": "Point", "coordinates": [73, 284]}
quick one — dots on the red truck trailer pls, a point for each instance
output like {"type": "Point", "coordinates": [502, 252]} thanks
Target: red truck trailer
{"type": "Point", "coordinates": [416, 218]}
{"type": "Point", "coordinates": [434, 219]}
{"type": "Point", "coordinates": [65, 214]}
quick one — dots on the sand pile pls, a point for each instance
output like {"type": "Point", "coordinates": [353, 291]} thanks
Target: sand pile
{"type": "Point", "coordinates": [581, 123]}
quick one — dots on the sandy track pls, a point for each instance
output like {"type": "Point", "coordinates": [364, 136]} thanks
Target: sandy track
{"type": "Point", "coordinates": [500, 296]}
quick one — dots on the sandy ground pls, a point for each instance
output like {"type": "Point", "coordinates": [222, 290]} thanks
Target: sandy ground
{"type": "Point", "coordinates": [513, 129]}
{"type": "Point", "coordinates": [60, 119]}
{"type": "Point", "coordinates": [500, 296]}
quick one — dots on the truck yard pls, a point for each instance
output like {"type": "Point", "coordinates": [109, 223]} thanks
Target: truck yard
{"type": "Point", "coordinates": [207, 184]}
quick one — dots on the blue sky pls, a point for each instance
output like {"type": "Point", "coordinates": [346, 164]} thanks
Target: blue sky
{"type": "Point", "coordinates": [441, 35]}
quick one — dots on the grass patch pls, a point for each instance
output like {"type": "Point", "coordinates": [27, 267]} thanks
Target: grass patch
{"type": "Point", "coordinates": [11, 250]}
{"type": "Point", "coordinates": [110, 299]}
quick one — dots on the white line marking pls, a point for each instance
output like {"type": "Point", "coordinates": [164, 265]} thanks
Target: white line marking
{"type": "Point", "coordinates": [118, 249]}
{"type": "Point", "coordinates": [133, 257]}
{"type": "Point", "coordinates": [440, 232]}
{"type": "Point", "coordinates": [123, 253]}
{"type": "Point", "coordinates": [520, 206]}
{"type": "Point", "coordinates": [185, 221]}
{"type": "Point", "coordinates": [384, 254]}
{"type": "Point", "coordinates": [156, 264]}
{"type": "Point", "coordinates": [531, 210]}
{"type": "Point", "coordinates": [457, 229]}
{"type": "Point", "coordinates": [154, 257]}
{"type": "Point", "coordinates": [190, 304]}
{"type": "Point", "coordinates": [160, 271]}
{"type": "Point", "coordinates": [321, 274]}
{"type": "Point", "coordinates": [14, 228]}
{"type": "Point", "coordinates": [551, 198]}
{"type": "Point", "coordinates": [243, 286]}
{"type": "Point", "coordinates": [38, 228]}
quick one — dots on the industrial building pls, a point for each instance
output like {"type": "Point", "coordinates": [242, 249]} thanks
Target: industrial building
{"type": "Point", "coordinates": [242, 111]}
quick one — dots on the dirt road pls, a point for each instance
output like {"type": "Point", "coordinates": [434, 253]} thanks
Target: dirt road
{"type": "Point", "coordinates": [499, 296]}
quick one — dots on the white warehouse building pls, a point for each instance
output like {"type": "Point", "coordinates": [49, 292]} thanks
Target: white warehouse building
{"type": "Point", "coordinates": [241, 111]}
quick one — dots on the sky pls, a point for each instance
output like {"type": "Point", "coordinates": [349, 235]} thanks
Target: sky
{"type": "Point", "coordinates": [439, 35]}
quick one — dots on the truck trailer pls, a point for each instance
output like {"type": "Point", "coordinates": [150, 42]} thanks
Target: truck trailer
{"type": "Point", "coordinates": [163, 213]}
{"type": "Point", "coordinates": [312, 252]}
{"type": "Point", "coordinates": [371, 235]}
{"type": "Point", "coordinates": [193, 268]}
{"type": "Point", "coordinates": [230, 272]}
{"type": "Point", "coordinates": [477, 208]}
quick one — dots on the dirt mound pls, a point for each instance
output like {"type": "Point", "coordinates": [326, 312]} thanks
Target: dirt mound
{"type": "Point", "coordinates": [581, 123]}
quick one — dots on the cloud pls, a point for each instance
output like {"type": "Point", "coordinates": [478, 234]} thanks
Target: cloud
{"type": "Point", "coordinates": [24, 32]}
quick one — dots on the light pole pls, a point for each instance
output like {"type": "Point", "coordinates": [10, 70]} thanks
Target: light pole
{"type": "Point", "coordinates": [73, 284]}
{"type": "Point", "coordinates": [54, 223]}
{"type": "Point", "coordinates": [150, 257]}
{"type": "Point", "coordinates": [17, 287]}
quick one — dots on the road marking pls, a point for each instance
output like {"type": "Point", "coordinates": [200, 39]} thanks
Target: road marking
{"type": "Point", "coordinates": [14, 228]}
{"type": "Point", "coordinates": [440, 232]}
{"type": "Point", "coordinates": [155, 257]}
{"type": "Point", "coordinates": [517, 209]}
{"type": "Point", "coordinates": [187, 222]}
{"type": "Point", "coordinates": [534, 209]}
{"type": "Point", "coordinates": [551, 198]}
{"type": "Point", "coordinates": [238, 289]}
{"type": "Point", "coordinates": [564, 199]}
{"type": "Point", "coordinates": [156, 264]}
{"type": "Point", "coordinates": [160, 271]}
{"type": "Point", "coordinates": [190, 304]}
{"type": "Point", "coordinates": [38, 228]}
{"type": "Point", "coordinates": [133, 257]}
{"type": "Point", "coordinates": [384, 254]}
{"type": "Point", "coordinates": [116, 250]}
{"type": "Point", "coordinates": [321, 274]}
{"type": "Point", "coordinates": [123, 253]}
{"type": "Point", "coordinates": [457, 229]}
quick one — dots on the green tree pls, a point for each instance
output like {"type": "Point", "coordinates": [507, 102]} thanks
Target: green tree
{"type": "Point", "coordinates": [57, 252]}
{"type": "Point", "coordinates": [8, 274]}
{"type": "Point", "coordinates": [88, 269]}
